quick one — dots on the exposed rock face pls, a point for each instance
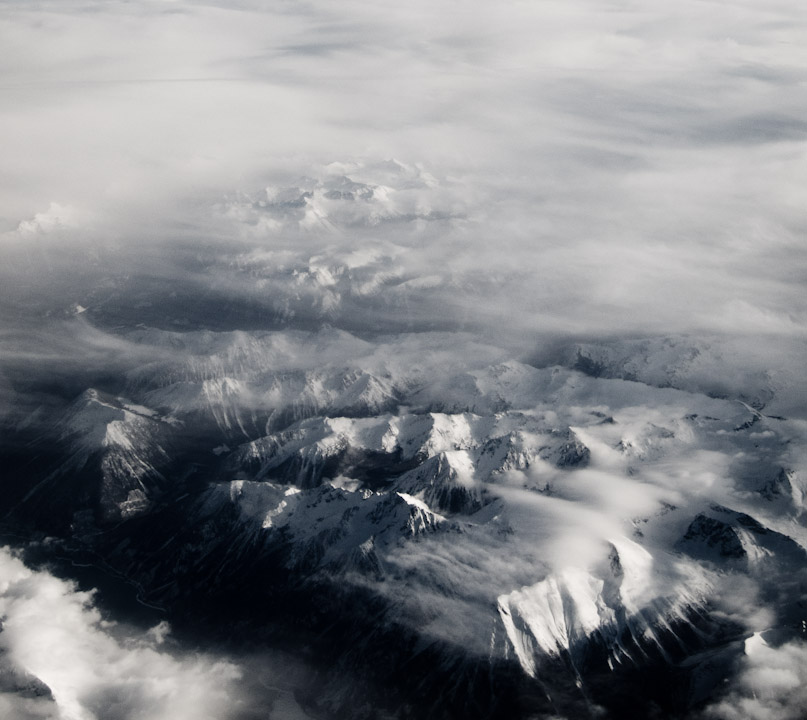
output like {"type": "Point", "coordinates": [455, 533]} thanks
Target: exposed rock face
{"type": "Point", "coordinates": [715, 536]}
{"type": "Point", "coordinates": [784, 487]}
{"type": "Point", "coordinates": [722, 535]}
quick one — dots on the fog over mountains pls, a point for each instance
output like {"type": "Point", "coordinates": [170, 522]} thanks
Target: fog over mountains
{"type": "Point", "coordinates": [425, 360]}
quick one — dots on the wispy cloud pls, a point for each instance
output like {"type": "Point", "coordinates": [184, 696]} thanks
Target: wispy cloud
{"type": "Point", "coordinates": [621, 164]}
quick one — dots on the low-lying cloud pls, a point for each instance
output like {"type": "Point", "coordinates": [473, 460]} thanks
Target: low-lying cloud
{"type": "Point", "coordinates": [582, 170]}
{"type": "Point", "coordinates": [770, 685]}
{"type": "Point", "coordinates": [93, 670]}
{"type": "Point", "coordinates": [67, 662]}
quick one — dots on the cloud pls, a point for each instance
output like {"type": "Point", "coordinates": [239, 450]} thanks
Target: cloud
{"type": "Point", "coordinates": [96, 669]}
{"type": "Point", "coordinates": [53, 632]}
{"type": "Point", "coordinates": [770, 685]}
{"type": "Point", "coordinates": [53, 219]}
{"type": "Point", "coordinates": [612, 170]}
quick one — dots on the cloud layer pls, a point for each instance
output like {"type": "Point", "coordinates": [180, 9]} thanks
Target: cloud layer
{"type": "Point", "coordinates": [771, 685]}
{"type": "Point", "coordinates": [625, 168]}
{"type": "Point", "coordinates": [67, 662]}
{"type": "Point", "coordinates": [54, 633]}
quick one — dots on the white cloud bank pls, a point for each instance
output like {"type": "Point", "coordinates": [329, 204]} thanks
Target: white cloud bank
{"type": "Point", "coordinates": [53, 632]}
{"type": "Point", "coordinates": [772, 684]}
{"type": "Point", "coordinates": [99, 670]}
{"type": "Point", "coordinates": [622, 167]}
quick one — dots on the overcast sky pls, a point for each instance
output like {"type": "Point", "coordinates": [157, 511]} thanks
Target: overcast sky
{"type": "Point", "coordinates": [640, 165]}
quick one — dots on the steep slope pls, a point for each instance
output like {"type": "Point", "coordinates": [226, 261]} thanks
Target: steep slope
{"type": "Point", "coordinates": [108, 461]}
